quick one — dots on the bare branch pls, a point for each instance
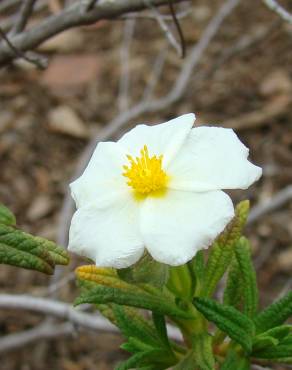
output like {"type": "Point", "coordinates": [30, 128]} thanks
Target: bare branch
{"type": "Point", "coordinates": [54, 308]}
{"type": "Point", "coordinates": [124, 62]}
{"type": "Point", "coordinates": [88, 4]}
{"type": "Point", "coordinates": [71, 16]}
{"type": "Point", "coordinates": [8, 23]}
{"type": "Point", "coordinates": [59, 310]}
{"type": "Point", "coordinates": [277, 8]}
{"type": "Point", "coordinates": [7, 4]}
{"type": "Point", "coordinates": [164, 26]}
{"type": "Point", "coordinates": [45, 331]}
{"type": "Point", "coordinates": [178, 27]}
{"type": "Point", "coordinates": [155, 74]}
{"type": "Point", "coordinates": [38, 61]}
{"type": "Point", "coordinates": [151, 16]}
{"type": "Point", "coordinates": [277, 201]}
{"type": "Point", "coordinates": [24, 14]}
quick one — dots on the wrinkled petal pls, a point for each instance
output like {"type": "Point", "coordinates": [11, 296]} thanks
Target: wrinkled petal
{"type": "Point", "coordinates": [212, 158]}
{"type": "Point", "coordinates": [176, 226]}
{"type": "Point", "coordinates": [109, 236]}
{"type": "Point", "coordinates": [102, 181]}
{"type": "Point", "coordinates": [166, 138]}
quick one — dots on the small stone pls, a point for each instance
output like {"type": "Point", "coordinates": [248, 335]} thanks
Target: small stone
{"type": "Point", "coordinates": [64, 42]}
{"type": "Point", "coordinates": [39, 208]}
{"type": "Point", "coordinates": [69, 73]}
{"type": "Point", "coordinates": [64, 120]}
{"type": "Point", "coordinates": [278, 82]}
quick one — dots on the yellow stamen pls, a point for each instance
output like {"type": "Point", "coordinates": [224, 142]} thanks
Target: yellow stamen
{"type": "Point", "coordinates": [145, 174]}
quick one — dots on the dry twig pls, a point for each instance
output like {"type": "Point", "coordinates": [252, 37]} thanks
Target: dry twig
{"type": "Point", "coordinates": [37, 60]}
{"type": "Point", "coordinates": [277, 8]}
{"type": "Point", "coordinates": [59, 310]}
{"type": "Point", "coordinates": [71, 16]}
{"type": "Point", "coordinates": [277, 201]}
{"type": "Point", "coordinates": [123, 101]}
{"type": "Point", "coordinates": [165, 28]}
{"type": "Point", "coordinates": [24, 14]}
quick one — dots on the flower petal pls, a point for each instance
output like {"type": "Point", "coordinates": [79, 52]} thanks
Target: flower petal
{"type": "Point", "coordinates": [212, 158]}
{"type": "Point", "coordinates": [109, 236]}
{"type": "Point", "coordinates": [165, 138]}
{"type": "Point", "coordinates": [102, 181]}
{"type": "Point", "coordinates": [176, 226]}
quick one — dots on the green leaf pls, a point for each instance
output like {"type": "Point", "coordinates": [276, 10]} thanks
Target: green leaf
{"type": "Point", "coordinates": [231, 321]}
{"type": "Point", "coordinates": [222, 250]}
{"type": "Point", "coordinates": [132, 324]}
{"type": "Point", "coordinates": [135, 345]}
{"type": "Point", "coordinates": [279, 353]}
{"type": "Point", "coordinates": [200, 357]}
{"type": "Point", "coordinates": [218, 262]}
{"type": "Point", "coordinates": [263, 342]}
{"type": "Point", "coordinates": [278, 332]}
{"type": "Point", "coordinates": [102, 294]}
{"type": "Point", "coordinates": [234, 361]}
{"type": "Point", "coordinates": [24, 250]}
{"type": "Point", "coordinates": [197, 270]}
{"type": "Point", "coordinates": [180, 281]}
{"type": "Point", "coordinates": [234, 286]}
{"type": "Point", "coordinates": [6, 216]}
{"type": "Point", "coordinates": [276, 342]}
{"type": "Point", "coordinates": [274, 315]}
{"type": "Point", "coordinates": [187, 363]}
{"type": "Point", "coordinates": [203, 350]}
{"type": "Point", "coordinates": [143, 359]}
{"type": "Point", "coordinates": [248, 276]}
{"type": "Point", "coordinates": [146, 270]}
{"type": "Point", "coordinates": [160, 325]}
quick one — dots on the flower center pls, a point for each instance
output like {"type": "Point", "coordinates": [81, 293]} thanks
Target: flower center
{"type": "Point", "coordinates": [145, 174]}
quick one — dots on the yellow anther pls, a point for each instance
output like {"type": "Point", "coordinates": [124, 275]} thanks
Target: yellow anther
{"type": "Point", "coordinates": [145, 175]}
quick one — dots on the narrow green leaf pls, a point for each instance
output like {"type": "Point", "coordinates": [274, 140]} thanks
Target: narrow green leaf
{"type": "Point", "coordinates": [132, 324]}
{"type": "Point", "coordinates": [6, 216]}
{"type": "Point", "coordinates": [21, 249]}
{"type": "Point", "coordinates": [160, 325]}
{"type": "Point", "coordinates": [180, 281]}
{"type": "Point", "coordinates": [102, 294]}
{"type": "Point", "coordinates": [279, 353]}
{"type": "Point", "coordinates": [234, 361]}
{"type": "Point", "coordinates": [107, 311]}
{"type": "Point", "coordinates": [278, 332]}
{"type": "Point", "coordinates": [141, 359]}
{"type": "Point", "coordinates": [263, 342]}
{"type": "Point", "coordinates": [197, 271]}
{"type": "Point", "coordinates": [218, 262]}
{"type": "Point", "coordinates": [274, 315]}
{"type": "Point", "coordinates": [234, 286]}
{"type": "Point", "coordinates": [57, 253]}
{"type": "Point", "coordinates": [222, 250]}
{"type": "Point", "coordinates": [146, 270]}
{"type": "Point", "coordinates": [15, 257]}
{"type": "Point", "coordinates": [248, 276]}
{"type": "Point", "coordinates": [187, 363]}
{"type": "Point", "coordinates": [134, 345]}
{"type": "Point", "coordinates": [203, 352]}
{"type": "Point", "coordinates": [231, 321]}
{"type": "Point", "coordinates": [199, 358]}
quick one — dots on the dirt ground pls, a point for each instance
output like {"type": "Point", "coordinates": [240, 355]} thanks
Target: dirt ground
{"type": "Point", "coordinates": [47, 118]}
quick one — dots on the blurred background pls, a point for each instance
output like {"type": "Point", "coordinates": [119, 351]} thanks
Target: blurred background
{"type": "Point", "coordinates": [104, 75]}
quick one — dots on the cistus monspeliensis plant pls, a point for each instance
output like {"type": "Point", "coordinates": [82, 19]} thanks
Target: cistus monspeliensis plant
{"type": "Point", "coordinates": [153, 217]}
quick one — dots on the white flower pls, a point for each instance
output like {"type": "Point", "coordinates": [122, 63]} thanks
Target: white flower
{"type": "Point", "coordinates": [159, 188]}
